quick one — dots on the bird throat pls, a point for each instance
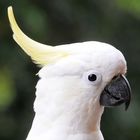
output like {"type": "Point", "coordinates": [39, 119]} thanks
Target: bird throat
{"type": "Point", "coordinates": [80, 120]}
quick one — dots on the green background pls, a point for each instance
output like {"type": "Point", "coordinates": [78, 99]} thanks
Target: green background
{"type": "Point", "coordinates": [55, 22]}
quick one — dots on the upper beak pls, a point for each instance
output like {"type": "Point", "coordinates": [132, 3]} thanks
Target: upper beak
{"type": "Point", "coordinates": [118, 91]}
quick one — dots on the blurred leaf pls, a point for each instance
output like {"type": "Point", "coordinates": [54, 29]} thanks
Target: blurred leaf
{"type": "Point", "coordinates": [7, 91]}
{"type": "Point", "coordinates": [132, 6]}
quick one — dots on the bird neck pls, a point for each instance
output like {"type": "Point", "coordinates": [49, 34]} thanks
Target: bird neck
{"type": "Point", "coordinates": [66, 120]}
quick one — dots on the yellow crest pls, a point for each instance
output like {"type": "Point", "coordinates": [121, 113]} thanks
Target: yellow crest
{"type": "Point", "coordinates": [40, 53]}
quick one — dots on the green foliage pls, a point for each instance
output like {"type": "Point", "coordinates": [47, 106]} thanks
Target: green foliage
{"type": "Point", "coordinates": [65, 21]}
{"type": "Point", "coordinates": [131, 6]}
{"type": "Point", "coordinates": [7, 91]}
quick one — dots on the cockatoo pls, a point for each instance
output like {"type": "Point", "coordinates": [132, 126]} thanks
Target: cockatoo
{"type": "Point", "coordinates": [76, 82]}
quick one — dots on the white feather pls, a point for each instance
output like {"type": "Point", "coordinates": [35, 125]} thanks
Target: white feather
{"type": "Point", "coordinates": [67, 104]}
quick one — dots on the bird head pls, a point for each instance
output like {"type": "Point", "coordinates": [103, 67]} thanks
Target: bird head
{"type": "Point", "coordinates": [94, 67]}
{"type": "Point", "coordinates": [81, 76]}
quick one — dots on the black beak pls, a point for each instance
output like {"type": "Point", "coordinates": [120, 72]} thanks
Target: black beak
{"type": "Point", "coordinates": [117, 92]}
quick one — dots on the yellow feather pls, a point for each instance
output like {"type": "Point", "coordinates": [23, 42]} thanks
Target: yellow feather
{"type": "Point", "coordinates": [41, 54]}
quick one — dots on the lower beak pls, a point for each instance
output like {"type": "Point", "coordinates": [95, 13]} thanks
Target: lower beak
{"type": "Point", "coordinates": [117, 92]}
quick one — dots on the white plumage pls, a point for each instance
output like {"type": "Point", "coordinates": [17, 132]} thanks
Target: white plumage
{"type": "Point", "coordinates": [67, 104]}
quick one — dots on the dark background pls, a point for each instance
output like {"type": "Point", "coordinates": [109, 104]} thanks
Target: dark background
{"type": "Point", "coordinates": [55, 22]}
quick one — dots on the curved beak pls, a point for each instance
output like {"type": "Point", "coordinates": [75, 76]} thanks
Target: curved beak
{"type": "Point", "coordinates": [117, 92]}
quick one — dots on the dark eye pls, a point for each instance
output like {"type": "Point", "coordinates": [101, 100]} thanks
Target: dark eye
{"type": "Point", "coordinates": [92, 77]}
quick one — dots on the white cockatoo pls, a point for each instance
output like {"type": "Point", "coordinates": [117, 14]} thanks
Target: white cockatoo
{"type": "Point", "coordinates": [76, 82]}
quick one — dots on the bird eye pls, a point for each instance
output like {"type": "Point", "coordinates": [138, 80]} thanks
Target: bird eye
{"type": "Point", "coordinates": [92, 77]}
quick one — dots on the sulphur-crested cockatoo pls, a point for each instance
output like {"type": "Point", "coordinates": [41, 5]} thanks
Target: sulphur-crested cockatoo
{"type": "Point", "coordinates": [76, 82]}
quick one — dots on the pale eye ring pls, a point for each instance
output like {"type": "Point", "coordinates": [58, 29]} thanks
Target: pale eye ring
{"type": "Point", "coordinates": [93, 77]}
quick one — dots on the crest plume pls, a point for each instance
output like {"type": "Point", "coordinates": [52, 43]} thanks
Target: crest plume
{"type": "Point", "coordinates": [40, 53]}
